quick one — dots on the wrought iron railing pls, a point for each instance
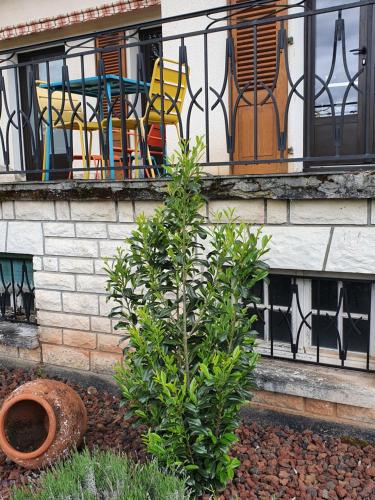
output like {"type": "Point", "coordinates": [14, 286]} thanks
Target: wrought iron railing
{"type": "Point", "coordinates": [270, 86]}
{"type": "Point", "coordinates": [320, 320]}
{"type": "Point", "coordinates": [17, 297]}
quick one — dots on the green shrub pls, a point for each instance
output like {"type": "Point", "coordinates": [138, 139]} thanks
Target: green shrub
{"type": "Point", "coordinates": [190, 354]}
{"type": "Point", "coordinates": [104, 475]}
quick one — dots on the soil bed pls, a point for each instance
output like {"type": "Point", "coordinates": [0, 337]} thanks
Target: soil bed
{"type": "Point", "coordinates": [276, 461]}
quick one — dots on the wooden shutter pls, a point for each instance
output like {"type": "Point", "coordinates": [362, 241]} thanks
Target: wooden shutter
{"type": "Point", "coordinates": [111, 60]}
{"type": "Point", "coordinates": [267, 53]}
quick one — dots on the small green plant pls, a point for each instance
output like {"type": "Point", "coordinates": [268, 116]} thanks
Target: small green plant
{"type": "Point", "coordinates": [185, 308]}
{"type": "Point", "coordinates": [39, 372]}
{"type": "Point", "coordinates": [104, 475]}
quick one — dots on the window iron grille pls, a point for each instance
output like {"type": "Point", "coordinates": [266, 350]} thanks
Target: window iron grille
{"type": "Point", "coordinates": [17, 291]}
{"type": "Point", "coordinates": [320, 320]}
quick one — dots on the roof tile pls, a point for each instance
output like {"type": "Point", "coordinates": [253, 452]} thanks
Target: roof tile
{"type": "Point", "coordinates": [60, 21]}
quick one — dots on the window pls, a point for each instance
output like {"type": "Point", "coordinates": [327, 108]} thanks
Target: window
{"type": "Point", "coordinates": [319, 319]}
{"type": "Point", "coordinates": [16, 289]}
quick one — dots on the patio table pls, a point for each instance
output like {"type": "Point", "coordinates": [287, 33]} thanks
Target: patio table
{"type": "Point", "coordinates": [110, 86]}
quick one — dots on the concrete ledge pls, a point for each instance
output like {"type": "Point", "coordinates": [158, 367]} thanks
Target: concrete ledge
{"type": "Point", "coordinates": [356, 185]}
{"type": "Point", "coordinates": [334, 395]}
{"type": "Point", "coordinates": [333, 385]}
{"type": "Point", "coordinates": [20, 335]}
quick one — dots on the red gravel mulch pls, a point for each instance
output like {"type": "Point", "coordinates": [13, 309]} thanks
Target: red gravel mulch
{"type": "Point", "coordinates": [276, 462]}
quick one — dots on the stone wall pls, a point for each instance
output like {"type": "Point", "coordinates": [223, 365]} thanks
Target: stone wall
{"type": "Point", "coordinates": [318, 392]}
{"type": "Point", "coordinates": [68, 234]}
{"type": "Point", "coordinates": [69, 227]}
{"type": "Point", "coordinates": [323, 224]}
{"type": "Point", "coordinates": [315, 408]}
{"type": "Point", "coordinates": [68, 241]}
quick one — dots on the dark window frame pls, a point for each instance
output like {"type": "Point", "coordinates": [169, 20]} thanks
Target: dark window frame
{"type": "Point", "coordinates": [366, 104]}
{"type": "Point", "coordinates": [17, 290]}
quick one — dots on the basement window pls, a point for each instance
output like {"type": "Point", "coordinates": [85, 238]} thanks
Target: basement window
{"type": "Point", "coordinates": [316, 319]}
{"type": "Point", "coordinates": [17, 299]}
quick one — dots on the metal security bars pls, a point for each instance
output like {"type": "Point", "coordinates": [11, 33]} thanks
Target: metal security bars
{"type": "Point", "coordinates": [17, 298]}
{"type": "Point", "coordinates": [272, 87]}
{"type": "Point", "coordinates": [318, 320]}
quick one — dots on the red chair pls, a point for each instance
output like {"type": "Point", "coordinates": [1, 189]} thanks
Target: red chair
{"type": "Point", "coordinates": [154, 144]}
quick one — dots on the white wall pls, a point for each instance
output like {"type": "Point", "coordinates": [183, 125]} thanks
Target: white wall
{"type": "Point", "coordinates": [68, 240]}
{"type": "Point", "coordinates": [296, 65]}
{"type": "Point", "coordinates": [10, 137]}
{"type": "Point", "coordinates": [216, 64]}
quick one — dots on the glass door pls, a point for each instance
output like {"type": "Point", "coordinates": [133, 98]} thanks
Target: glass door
{"type": "Point", "coordinates": [339, 68]}
{"type": "Point", "coordinates": [33, 132]}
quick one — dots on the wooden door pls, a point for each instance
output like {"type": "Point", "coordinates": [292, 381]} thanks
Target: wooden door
{"type": "Point", "coordinates": [267, 117]}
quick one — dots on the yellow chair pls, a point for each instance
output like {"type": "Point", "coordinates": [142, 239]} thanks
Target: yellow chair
{"type": "Point", "coordinates": [164, 103]}
{"type": "Point", "coordinates": [68, 117]}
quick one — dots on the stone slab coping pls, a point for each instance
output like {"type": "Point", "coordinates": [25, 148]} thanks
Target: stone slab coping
{"type": "Point", "coordinates": [19, 335]}
{"type": "Point", "coordinates": [335, 385]}
{"type": "Point", "coordinates": [327, 185]}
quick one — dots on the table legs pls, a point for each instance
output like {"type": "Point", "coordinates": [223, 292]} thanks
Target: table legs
{"type": "Point", "coordinates": [110, 135]}
{"type": "Point", "coordinates": [47, 154]}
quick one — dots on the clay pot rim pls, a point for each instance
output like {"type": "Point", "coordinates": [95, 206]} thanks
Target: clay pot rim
{"type": "Point", "coordinates": [7, 447]}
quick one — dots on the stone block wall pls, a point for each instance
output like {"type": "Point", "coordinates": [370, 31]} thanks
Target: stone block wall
{"type": "Point", "coordinates": [318, 392]}
{"type": "Point", "coordinates": [68, 241]}
{"type": "Point", "coordinates": [69, 238]}
{"type": "Point", "coordinates": [323, 225]}
{"type": "Point", "coordinates": [316, 408]}
{"type": "Point", "coordinates": [334, 235]}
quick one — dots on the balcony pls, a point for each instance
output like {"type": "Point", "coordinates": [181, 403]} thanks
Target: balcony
{"type": "Point", "coordinates": [271, 89]}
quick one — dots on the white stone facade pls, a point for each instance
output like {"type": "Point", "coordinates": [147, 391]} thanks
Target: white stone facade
{"type": "Point", "coordinates": [69, 239]}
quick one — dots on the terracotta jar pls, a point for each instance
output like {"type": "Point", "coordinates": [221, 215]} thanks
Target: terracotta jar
{"type": "Point", "coordinates": [40, 422]}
